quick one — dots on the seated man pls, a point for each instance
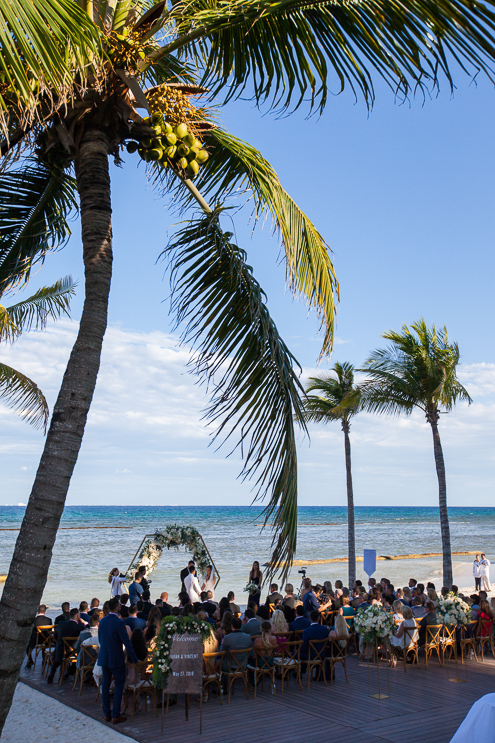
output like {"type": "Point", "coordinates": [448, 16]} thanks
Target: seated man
{"type": "Point", "coordinates": [133, 621]}
{"type": "Point", "coordinates": [234, 608]}
{"type": "Point", "coordinates": [165, 608]}
{"type": "Point", "coordinates": [41, 620]}
{"type": "Point", "coordinates": [64, 617]}
{"type": "Point", "coordinates": [88, 632]}
{"type": "Point", "coordinates": [251, 624]}
{"type": "Point", "coordinates": [300, 622]}
{"type": "Point", "coordinates": [206, 605]}
{"type": "Point", "coordinates": [237, 640]}
{"type": "Point", "coordinates": [418, 609]}
{"type": "Point", "coordinates": [311, 603]}
{"type": "Point", "coordinates": [315, 631]}
{"type": "Point", "coordinates": [72, 628]}
{"type": "Point", "coordinates": [83, 611]}
{"type": "Point", "coordinates": [147, 605]}
{"type": "Point", "coordinates": [429, 619]}
{"type": "Point", "coordinates": [273, 596]}
{"type": "Point", "coordinates": [95, 604]}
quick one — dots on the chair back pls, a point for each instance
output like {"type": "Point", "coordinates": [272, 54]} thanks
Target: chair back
{"type": "Point", "coordinates": [433, 633]}
{"type": "Point", "coordinates": [263, 659]}
{"type": "Point", "coordinates": [238, 660]}
{"type": "Point", "coordinates": [411, 635]}
{"type": "Point", "coordinates": [297, 634]}
{"type": "Point", "coordinates": [448, 634]}
{"type": "Point", "coordinates": [469, 631]}
{"type": "Point", "coordinates": [68, 645]}
{"type": "Point", "coordinates": [317, 650]}
{"type": "Point", "coordinates": [337, 651]}
{"type": "Point", "coordinates": [45, 634]}
{"type": "Point", "coordinates": [89, 656]}
{"type": "Point", "coordinates": [212, 662]}
{"type": "Point", "coordinates": [291, 651]}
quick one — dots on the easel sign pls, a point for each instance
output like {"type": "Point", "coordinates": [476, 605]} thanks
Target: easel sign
{"type": "Point", "coordinates": [186, 655]}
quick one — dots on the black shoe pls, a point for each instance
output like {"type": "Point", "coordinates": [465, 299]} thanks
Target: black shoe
{"type": "Point", "coordinates": [30, 663]}
{"type": "Point", "coordinates": [49, 680]}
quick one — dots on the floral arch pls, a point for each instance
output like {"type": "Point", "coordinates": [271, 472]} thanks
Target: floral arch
{"type": "Point", "coordinates": [173, 536]}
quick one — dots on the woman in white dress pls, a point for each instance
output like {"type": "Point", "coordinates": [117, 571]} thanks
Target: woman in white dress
{"type": "Point", "coordinates": [398, 641]}
{"type": "Point", "coordinates": [116, 582]}
{"type": "Point", "coordinates": [485, 573]}
{"type": "Point", "coordinates": [209, 581]}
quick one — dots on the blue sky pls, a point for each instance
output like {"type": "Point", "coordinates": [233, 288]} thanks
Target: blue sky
{"type": "Point", "coordinates": [404, 196]}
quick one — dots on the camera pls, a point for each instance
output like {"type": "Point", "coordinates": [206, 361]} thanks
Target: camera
{"type": "Point", "coordinates": [302, 572]}
{"type": "Point", "coordinates": [122, 575]}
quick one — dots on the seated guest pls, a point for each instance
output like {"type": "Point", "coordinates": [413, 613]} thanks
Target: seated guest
{"type": "Point", "coordinates": [203, 617]}
{"type": "Point", "coordinates": [454, 590]}
{"type": "Point", "coordinates": [64, 617]}
{"type": "Point", "coordinates": [135, 589]}
{"type": "Point", "coordinates": [315, 631]}
{"type": "Point", "coordinates": [88, 632]}
{"type": "Point", "coordinates": [289, 613]}
{"type": "Point", "coordinates": [267, 643]}
{"type": "Point", "coordinates": [263, 613]}
{"type": "Point", "coordinates": [236, 640]}
{"type": "Point", "coordinates": [347, 611]}
{"type": "Point", "coordinates": [398, 608]}
{"type": "Point", "coordinates": [485, 615]}
{"type": "Point", "coordinates": [300, 622]}
{"type": "Point", "coordinates": [356, 596]}
{"type": "Point", "coordinates": [421, 591]}
{"type": "Point", "coordinates": [364, 602]}
{"type": "Point", "coordinates": [71, 628]}
{"type": "Point", "coordinates": [233, 607]}
{"type": "Point", "coordinates": [223, 606]}
{"type": "Point", "coordinates": [106, 608]}
{"type": "Point", "coordinates": [432, 596]}
{"type": "Point", "coordinates": [166, 608]}
{"type": "Point", "coordinates": [418, 609]}
{"type": "Point", "coordinates": [152, 627]}
{"type": "Point", "coordinates": [210, 598]}
{"type": "Point", "coordinates": [340, 631]}
{"type": "Point", "coordinates": [400, 596]}
{"type": "Point", "coordinates": [289, 598]}
{"type": "Point", "coordinates": [206, 605]}
{"type": "Point", "coordinates": [225, 627]}
{"type": "Point", "coordinates": [133, 621]}
{"type": "Point", "coordinates": [407, 595]}
{"type": "Point", "coordinates": [387, 601]}
{"type": "Point", "coordinates": [398, 640]}
{"type": "Point", "coordinates": [444, 591]}
{"type": "Point", "coordinates": [279, 627]}
{"type": "Point", "coordinates": [147, 605]}
{"type": "Point", "coordinates": [124, 609]}
{"type": "Point", "coordinates": [475, 606]}
{"type": "Point", "coordinates": [187, 611]}
{"type": "Point", "coordinates": [95, 603]}
{"type": "Point", "coordinates": [83, 611]}
{"type": "Point", "coordinates": [274, 596]}
{"type": "Point", "coordinates": [41, 620]}
{"type": "Point", "coordinates": [429, 618]}
{"type": "Point", "coordinates": [251, 625]}
{"type": "Point", "coordinates": [311, 603]}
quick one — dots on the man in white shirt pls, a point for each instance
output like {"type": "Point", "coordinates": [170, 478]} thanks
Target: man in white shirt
{"type": "Point", "coordinates": [477, 573]}
{"type": "Point", "coordinates": [192, 586]}
{"type": "Point", "coordinates": [485, 573]}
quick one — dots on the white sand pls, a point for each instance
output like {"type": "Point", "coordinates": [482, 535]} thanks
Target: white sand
{"type": "Point", "coordinates": [37, 717]}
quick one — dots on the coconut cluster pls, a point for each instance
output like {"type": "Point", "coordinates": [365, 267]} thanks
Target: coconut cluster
{"type": "Point", "coordinates": [171, 145]}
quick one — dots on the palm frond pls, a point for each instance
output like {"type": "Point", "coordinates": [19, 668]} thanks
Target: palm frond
{"type": "Point", "coordinates": [34, 210]}
{"type": "Point", "coordinates": [32, 313]}
{"type": "Point", "coordinates": [234, 164]}
{"type": "Point", "coordinates": [287, 50]}
{"type": "Point", "coordinates": [45, 45]}
{"type": "Point", "coordinates": [337, 398]}
{"type": "Point", "coordinates": [221, 308]}
{"type": "Point", "coordinates": [22, 395]}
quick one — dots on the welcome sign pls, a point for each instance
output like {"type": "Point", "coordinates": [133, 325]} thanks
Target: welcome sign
{"type": "Point", "coordinates": [186, 656]}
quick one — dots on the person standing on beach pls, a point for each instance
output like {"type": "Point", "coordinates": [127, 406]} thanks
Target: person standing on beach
{"type": "Point", "coordinates": [184, 573]}
{"type": "Point", "coordinates": [485, 573]}
{"type": "Point", "coordinates": [112, 635]}
{"type": "Point", "coordinates": [477, 573]}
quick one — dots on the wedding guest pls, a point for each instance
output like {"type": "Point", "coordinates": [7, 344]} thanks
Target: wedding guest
{"type": "Point", "coordinates": [184, 573]}
{"type": "Point", "coordinates": [113, 636]}
{"type": "Point", "coordinates": [223, 606]}
{"type": "Point", "coordinates": [340, 631]}
{"type": "Point", "coordinates": [166, 608]}
{"type": "Point", "coordinates": [83, 611]}
{"type": "Point", "coordinates": [71, 628]}
{"type": "Point", "coordinates": [95, 604]}
{"type": "Point", "coordinates": [88, 632]}
{"type": "Point", "coordinates": [267, 642]}
{"type": "Point", "coordinates": [144, 582]}
{"type": "Point", "coordinates": [145, 605]}
{"type": "Point", "coordinates": [412, 583]}
{"type": "Point", "coordinates": [398, 608]}
{"type": "Point", "coordinates": [274, 596]}
{"type": "Point", "coordinates": [306, 587]}
{"type": "Point", "coordinates": [475, 606]}
{"type": "Point", "coordinates": [225, 627]}
{"type": "Point", "coordinates": [364, 602]}
{"type": "Point", "coordinates": [300, 622]}
{"type": "Point", "coordinates": [315, 631]}
{"type": "Point", "coordinates": [191, 585]}
{"type": "Point", "coordinates": [132, 674]}
{"type": "Point", "coordinates": [454, 590]}
{"type": "Point", "coordinates": [135, 589]}
{"type": "Point", "coordinates": [407, 595]}
{"type": "Point", "coordinates": [263, 613]}
{"type": "Point", "coordinates": [485, 615]}
{"type": "Point", "coordinates": [418, 610]}
{"type": "Point", "coordinates": [430, 618]}
{"type": "Point", "coordinates": [251, 625]}
{"type": "Point", "coordinates": [41, 620]}
{"type": "Point", "coordinates": [187, 610]}
{"type": "Point", "coordinates": [64, 617]}
{"type": "Point", "coordinates": [256, 576]}
{"type": "Point", "coordinates": [133, 621]}
{"type": "Point", "coordinates": [106, 608]}
{"type": "Point", "coordinates": [432, 596]}
{"type": "Point", "coordinates": [279, 627]}
{"type": "Point", "coordinates": [152, 627]}
{"type": "Point", "coordinates": [124, 609]}
{"type": "Point", "coordinates": [234, 608]}
{"type": "Point", "coordinates": [289, 598]}
{"type": "Point", "coordinates": [477, 573]}
{"type": "Point", "coordinates": [485, 572]}
{"type": "Point", "coordinates": [116, 581]}
{"type": "Point", "coordinates": [207, 605]}
{"type": "Point", "coordinates": [209, 580]}
{"type": "Point", "coordinates": [290, 614]}
{"type": "Point", "coordinates": [398, 640]}
{"type": "Point", "coordinates": [311, 603]}
{"type": "Point", "coordinates": [204, 617]}
{"type": "Point", "coordinates": [236, 640]}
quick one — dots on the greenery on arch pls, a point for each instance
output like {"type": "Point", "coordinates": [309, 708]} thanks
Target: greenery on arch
{"type": "Point", "coordinates": [173, 536]}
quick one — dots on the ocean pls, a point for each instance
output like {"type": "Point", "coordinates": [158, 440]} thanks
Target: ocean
{"type": "Point", "coordinates": [94, 539]}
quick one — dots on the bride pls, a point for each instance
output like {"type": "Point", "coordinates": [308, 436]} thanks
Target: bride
{"type": "Point", "coordinates": [209, 580]}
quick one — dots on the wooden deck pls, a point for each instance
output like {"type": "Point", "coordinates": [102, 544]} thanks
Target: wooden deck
{"type": "Point", "coordinates": [423, 704]}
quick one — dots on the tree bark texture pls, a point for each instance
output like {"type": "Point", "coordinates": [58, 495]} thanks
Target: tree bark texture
{"type": "Point", "coordinates": [442, 502]}
{"type": "Point", "coordinates": [33, 550]}
{"type": "Point", "coordinates": [351, 536]}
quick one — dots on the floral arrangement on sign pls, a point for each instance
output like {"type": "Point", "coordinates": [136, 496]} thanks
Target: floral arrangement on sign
{"type": "Point", "coordinates": [174, 626]}
{"type": "Point", "coordinates": [453, 610]}
{"type": "Point", "coordinates": [374, 623]}
{"type": "Point", "coordinates": [173, 536]}
{"type": "Point", "coordinates": [252, 588]}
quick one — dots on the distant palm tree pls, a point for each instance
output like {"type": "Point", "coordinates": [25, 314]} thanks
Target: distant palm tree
{"type": "Point", "coordinates": [16, 390]}
{"type": "Point", "coordinates": [418, 370]}
{"type": "Point", "coordinates": [332, 402]}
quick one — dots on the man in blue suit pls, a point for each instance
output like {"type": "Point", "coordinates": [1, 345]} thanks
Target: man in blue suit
{"type": "Point", "coordinates": [300, 622]}
{"type": "Point", "coordinates": [112, 634]}
{"type": "Point", "coordinates": [315, 631]}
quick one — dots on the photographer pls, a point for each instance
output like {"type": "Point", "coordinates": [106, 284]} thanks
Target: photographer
{"type": "Point", "coordinates": [117, 580]}
{"type": "Point", "coordinates": [311, 602]}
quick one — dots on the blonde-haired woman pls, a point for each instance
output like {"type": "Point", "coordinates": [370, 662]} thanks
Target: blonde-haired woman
{"type": "Point", "coordinates": [279, 627]}
{"type": "Point", "coordinates": [341, 630]}
{"type": "Point", "coordinates": [398, 608]}
{"type": "Point", "coordinates": [398, 641]}
{"type": "Point", "coordinates": [267, 642]}
{"type": "Point", "coordinates": [116, 581]}
{"type": "Point", "coordinates": [432, 596]}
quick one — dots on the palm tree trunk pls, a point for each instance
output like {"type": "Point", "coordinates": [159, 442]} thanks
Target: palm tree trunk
{"type": "Point", "coordinates": [351, 537]}
{"type": "Point", "coordinates": [442, 501]}
{"type": "Point", "coordinates": [33, 550]}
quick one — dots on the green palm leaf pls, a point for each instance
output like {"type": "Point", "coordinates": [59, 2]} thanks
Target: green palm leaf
{"type": "Point", "coordinates": [287, 50]}
{"type": "Point", "coordinates": [221, 309]}
{"type": "Point", "coordinates": [33, 313]}
{"type": "Point", "coordinates": [34, 208]}
{"type": "Point", "coordinates": [22, 395]}
{"type": "Point", "coordinates": [234, 164]}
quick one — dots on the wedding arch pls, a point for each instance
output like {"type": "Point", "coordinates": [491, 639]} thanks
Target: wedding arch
{"type": "Point", "coordinates": [173, 536]}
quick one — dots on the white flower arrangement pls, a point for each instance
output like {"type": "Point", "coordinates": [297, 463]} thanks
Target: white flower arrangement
{"type": "Point", "coordinates": [452, 610]}
{"type": "Point", "coordinates": [252, 588]}
{"type": "Point", "coordinates": [374, 623]}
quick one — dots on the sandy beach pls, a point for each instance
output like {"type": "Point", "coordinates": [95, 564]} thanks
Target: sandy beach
{"type": "Point", "coordinates": [37, 717]}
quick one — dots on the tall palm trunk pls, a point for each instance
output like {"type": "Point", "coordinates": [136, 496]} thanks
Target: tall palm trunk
{"type": "Point", "coordinates": [442, 501]}
{"type": "Point", "coordinates": [33, 550]}
{"type": "Point", "coordinates": [351, 537]}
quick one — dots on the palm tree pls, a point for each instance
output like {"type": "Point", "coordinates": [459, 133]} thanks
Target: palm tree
{"type": "Point", "coordinates": [16, 390]}
{"type": "Point", "coordinates": [332, 403]}
{"type": "Point", "coordinates": [73, 78]}
{"type": "Point", "coordinates": [418, 370]}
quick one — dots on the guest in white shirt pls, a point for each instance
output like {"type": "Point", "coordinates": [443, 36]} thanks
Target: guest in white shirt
{"type": "Point", "coordinates": [477, 573]}
{"type": "Point", "coordinates": [192, 586]}
{"type": "Point", "coordinates": [485, 573]}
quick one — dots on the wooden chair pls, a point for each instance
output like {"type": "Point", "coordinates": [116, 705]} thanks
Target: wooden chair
{"type": "Point", "coordinates": [411, 636]}
{"type": "Point", "coordinates": [432, 642]}
{"type": "Point", "coordinates": [338, 654]}
{"type": "Point", "coordinates": [262, 665]}
{"type": "Point", "coordinates": [69, 658]}
{"type": "Point", "coordinates": [297, 634]}
{"type": "Point", "coordinates": [484, 639]}
{"type": "Point", "coordinates": [316, 658]}
{"type": "Point", "coordinates": [212, 672]}
{"type": "Point", "coordinates": [289, 661]}
{"type": "Point", "coordinates": [467, 640]}
{"type": "Point", "coordinates": [88, 660]}
{"type": "Point", "coordinates": [448, 641]}
{"type": "Point", "coordinates": [238, 669]}
{"type": "Point", "coordinates": [45, 640]}
{"type": "Point", "coordinates": [143, 684]}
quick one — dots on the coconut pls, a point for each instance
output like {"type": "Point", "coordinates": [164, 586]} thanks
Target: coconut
{"type": "Point", "coordinates": [183, 150]}
{"type": "Point", "coordinates": [168, 128]}
{"type": "Point", "coordinates": [193, 167]}
{"type": "Point", "coordinates": [183, 163]}
{"type": "Point", "coordinates": [147, 142]}
{"type": "Point", "coordinates": [156, 118]}
{"type": "Point", "coordinates": [155, 153]}
{"type": "Point", "coordinates": [171, 138]}
{"type": "Point", "coordinates": [190, 139]}
{"type": "Point", "coordinates": [171, 151]}
{"type": "Point", "coordinates": [181, 130]}
{"type": "Point", "coordinates": [131, 147]}
{"type": "Point", "coordinates": [202, 156]}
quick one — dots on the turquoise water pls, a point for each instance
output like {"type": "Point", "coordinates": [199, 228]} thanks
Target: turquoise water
{"type": "Point", "coordinates": [84, 554]}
